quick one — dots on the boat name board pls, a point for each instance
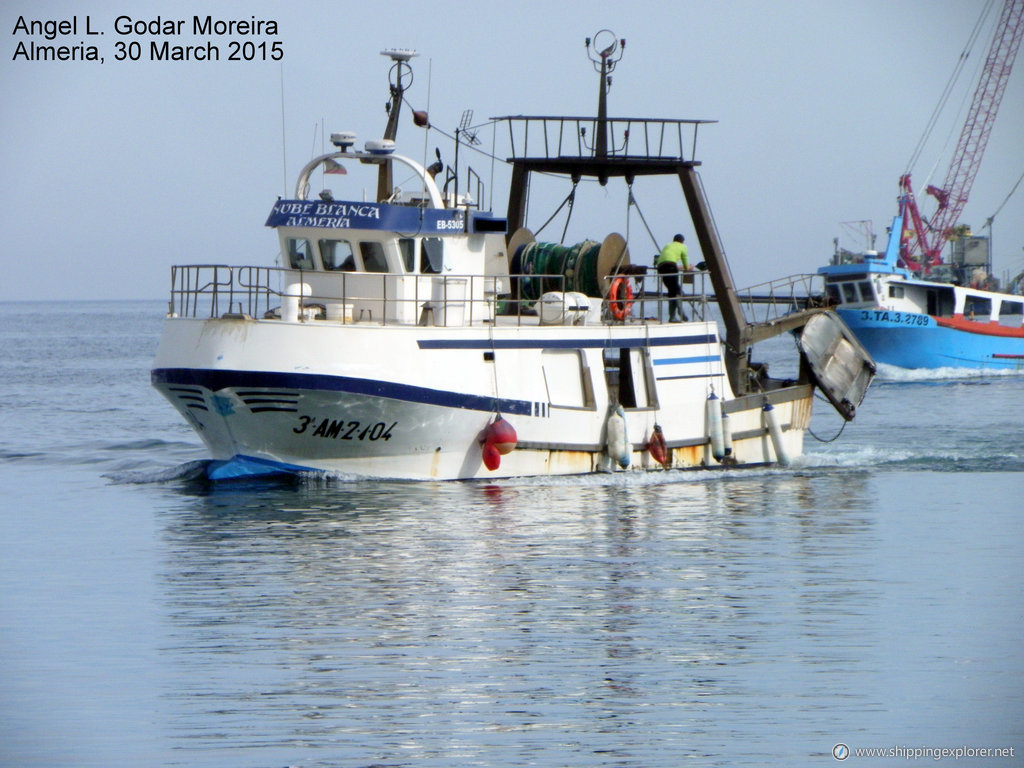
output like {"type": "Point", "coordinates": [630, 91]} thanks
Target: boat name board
{"type": "Point", "coordinates": [319, 214]}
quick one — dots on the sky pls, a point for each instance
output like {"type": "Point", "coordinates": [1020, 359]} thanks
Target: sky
{"type": "Point", "coordinates": [115, 171]}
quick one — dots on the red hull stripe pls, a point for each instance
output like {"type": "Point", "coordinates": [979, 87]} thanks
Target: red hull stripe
{"type": "Point", "coordinates": [985, 329]}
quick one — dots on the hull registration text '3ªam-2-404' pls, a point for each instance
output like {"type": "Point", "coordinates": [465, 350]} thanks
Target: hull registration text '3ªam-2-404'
{"type": "Point", "coordinates": [340, 429]}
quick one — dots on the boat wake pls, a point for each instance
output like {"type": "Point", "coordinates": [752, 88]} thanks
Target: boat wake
{"type": "Point", "coordinates": [189, 471]}
{"type": "Point", "coordinates": [857, 459]}
{"type": "Point", "coordinates": [194, 473]}
{"type": "Point", "coordinates": [894, 373]}
{"type": "Point", "coordinates": [919, 458]}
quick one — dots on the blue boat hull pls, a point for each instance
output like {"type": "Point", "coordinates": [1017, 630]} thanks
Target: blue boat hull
{"type": "Point", "coordinates": [910, 340]}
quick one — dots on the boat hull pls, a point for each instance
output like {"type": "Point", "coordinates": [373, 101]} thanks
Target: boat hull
{"type": "Point", "coordinates": [271, 397]}
{"type": "Point", "coordinates": [914, 340]}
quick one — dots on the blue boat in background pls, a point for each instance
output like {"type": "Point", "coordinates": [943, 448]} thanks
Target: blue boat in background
{"type": "Point", "coordinates": [949, 319]}
{"type": "Point", "coordinates": [910, 307]}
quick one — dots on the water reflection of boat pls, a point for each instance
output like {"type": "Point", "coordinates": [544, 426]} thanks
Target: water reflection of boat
{"type": "Point", "coordinates": [398, 341]}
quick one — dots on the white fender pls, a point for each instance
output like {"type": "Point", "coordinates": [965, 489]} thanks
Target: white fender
{"type": "Point", "coordinates": [772, 418]}
{"type": "Point", "coordinates": [726, 431]}
{"type": "Point", "coordinates": [714, 412]}
{"type": "Point", "coordinates": [617, 442]}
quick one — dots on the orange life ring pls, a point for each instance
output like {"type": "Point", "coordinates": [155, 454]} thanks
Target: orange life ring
{"type": "Point", "coordinates": [620, 306]}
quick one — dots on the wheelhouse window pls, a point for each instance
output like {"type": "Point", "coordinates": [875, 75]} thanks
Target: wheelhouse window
{"type": "Point", "coordinates": [373, 256]}
{"type": "Point", "coordinates": [1011, 308]}
{"type": "Point", "coordinates": [407, 249]}
{"type": "Point", "coordinates": [300, 255]}
{"type": "Point", "coordinates": [337, 255]}
{"type": "Point", "coordinates": [850, 293]}
{"type": "Point", "coordinates": [1010, 313]}
{"type": "Point", "coordinates": [866, 292]}
{"type": "Point", "coordinates": [431, 255]}
{"type": "Point", "coordinates": [978, 307]}
{"type": "Point", "coordinates": [431, 251]}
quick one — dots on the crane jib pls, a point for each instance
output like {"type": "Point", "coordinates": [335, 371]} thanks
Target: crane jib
{"type": "Point", "coordinates": [923, 244]}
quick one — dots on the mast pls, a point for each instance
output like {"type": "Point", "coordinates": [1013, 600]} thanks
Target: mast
{"type": "Point", "coordinates": [400, 78]}
{"type": "Point", "coordinates": [604, 63]}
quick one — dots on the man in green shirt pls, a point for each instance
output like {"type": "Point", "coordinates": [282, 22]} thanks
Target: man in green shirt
{"type": "Point", "coordinates": [671, 261]}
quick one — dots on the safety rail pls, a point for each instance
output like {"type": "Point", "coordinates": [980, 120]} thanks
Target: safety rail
{"type": "Point", "coordinates": [214, 291]}
{"type": "Point", "coordinates": [193, 284]}
{"type": "Point", "coordinates": [633, 137]}
{"type": "Point", "coordinates": [210, 290]}
{"type": "Point", "coordinates": [651, 304]}
{"type": "Point", "coordinates": [767, 302]}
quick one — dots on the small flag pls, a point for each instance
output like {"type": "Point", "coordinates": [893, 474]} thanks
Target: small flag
{"type": "Point", "coordinates": [332, 167]}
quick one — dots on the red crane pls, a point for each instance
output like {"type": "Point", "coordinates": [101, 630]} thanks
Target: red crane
{"type": "Point", "coordinates": [922, 241]}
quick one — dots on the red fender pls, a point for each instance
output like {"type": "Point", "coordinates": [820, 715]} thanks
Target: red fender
{"type": "Point", "coordinates": [501, 435]}
{"type": "Point", "coordinates": [657, 447]}
{"type": "Point", "coordinates": [492, 459]}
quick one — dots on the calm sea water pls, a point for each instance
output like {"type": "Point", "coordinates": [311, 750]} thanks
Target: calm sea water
{"type": "Point", "coordinates": [872, 595]}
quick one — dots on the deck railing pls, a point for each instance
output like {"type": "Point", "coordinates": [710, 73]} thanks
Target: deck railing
{"type": "Point", "coordinates": [217, 290]}
{"type": "Point", "coordinates": [553, 137]}
{"type": "Point", "coordinates": [767, 302]}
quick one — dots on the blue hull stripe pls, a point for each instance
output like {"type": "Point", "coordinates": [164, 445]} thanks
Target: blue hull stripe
{"type": "Point", "coordinates": [602, 343]}
{"type": "Point", "coordinates": [686, 360]}
{"type": "Point", "coordinates": [214, 380]}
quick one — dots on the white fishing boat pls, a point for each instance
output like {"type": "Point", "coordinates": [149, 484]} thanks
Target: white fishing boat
{"type": "Point", "coordinates": [418, 336]}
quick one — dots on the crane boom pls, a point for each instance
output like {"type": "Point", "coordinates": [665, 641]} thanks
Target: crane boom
{"type": "Point", "coordinates": [921, 243]}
